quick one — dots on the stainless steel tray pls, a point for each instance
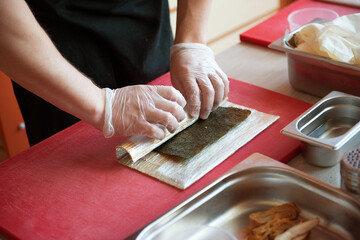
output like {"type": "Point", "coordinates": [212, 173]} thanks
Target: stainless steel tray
{"type": "Point", "coordinates": [315, 74]}
{"type": "Point", "coordinates": [228, 202]}
{"type": "Point", "coordinates": [328, 129]}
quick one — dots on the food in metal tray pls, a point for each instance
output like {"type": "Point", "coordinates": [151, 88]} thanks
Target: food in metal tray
{"type": "Point", "coordinates": [279, 223]}
{"type": "Point", "coordinates": [299, 231]}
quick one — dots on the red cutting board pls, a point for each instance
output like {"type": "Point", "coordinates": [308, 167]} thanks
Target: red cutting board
{"type": "Point", "coordinates": [274, 28]}
{"type": "Point", "coordinates": [70, 186]}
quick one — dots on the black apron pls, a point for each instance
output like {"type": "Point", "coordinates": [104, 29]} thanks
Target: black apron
{"type": "Point", "coordinates": [114, 42]}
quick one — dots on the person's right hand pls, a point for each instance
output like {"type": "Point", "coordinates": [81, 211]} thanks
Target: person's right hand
{"type": "Point", "coordinates": [143, 110]}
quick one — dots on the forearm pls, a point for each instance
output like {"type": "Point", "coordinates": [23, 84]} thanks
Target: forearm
{"type": "Point", "coordinates": [28, 56]}
{"type": "Point", "coordinates": [192, 17]}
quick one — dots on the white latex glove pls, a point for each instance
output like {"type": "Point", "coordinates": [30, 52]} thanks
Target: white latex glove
{"type": "Point", "coordinates": [195, 73]}
{"type": "Point", "coordinates": [143, 110]}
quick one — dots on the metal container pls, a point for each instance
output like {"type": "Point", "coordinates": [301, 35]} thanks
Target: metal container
{"type": "Point", "coordinates": [227, 203]}
{"type": "Point", "coordinates": [328, 129]}
{"type": "Point", "coordinates": [315, 74]}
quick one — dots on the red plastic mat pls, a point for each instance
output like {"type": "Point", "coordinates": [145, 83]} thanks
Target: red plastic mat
{"type": "Point", "coordinates": [70, 186]}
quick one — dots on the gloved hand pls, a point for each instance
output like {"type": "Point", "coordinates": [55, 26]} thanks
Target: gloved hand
{"type": "Point", "coordinates": [143, 110]}
{"type": "Point", "coordinates": [197, 76]}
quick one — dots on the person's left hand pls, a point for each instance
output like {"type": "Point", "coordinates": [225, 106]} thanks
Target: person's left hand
{"type": "Point", "coordinates": [195, 73]}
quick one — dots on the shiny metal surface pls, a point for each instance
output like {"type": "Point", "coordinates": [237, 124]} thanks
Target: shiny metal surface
{"type": "Point", "coordinates": [328, 129]}
{"type": "Point", "coordinates": [228, 202]}
{"type": "Point", "coordinates": [350, 172]}
{"type": "Point", "coordinates": [315, 74]}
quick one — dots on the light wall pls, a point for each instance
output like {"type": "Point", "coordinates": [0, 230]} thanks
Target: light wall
{"type": "Point", "coordinates": [228, 18]}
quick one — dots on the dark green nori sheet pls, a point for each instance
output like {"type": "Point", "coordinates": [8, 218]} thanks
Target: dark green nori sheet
{"type": "Point", "coordinates": [202, 133]}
